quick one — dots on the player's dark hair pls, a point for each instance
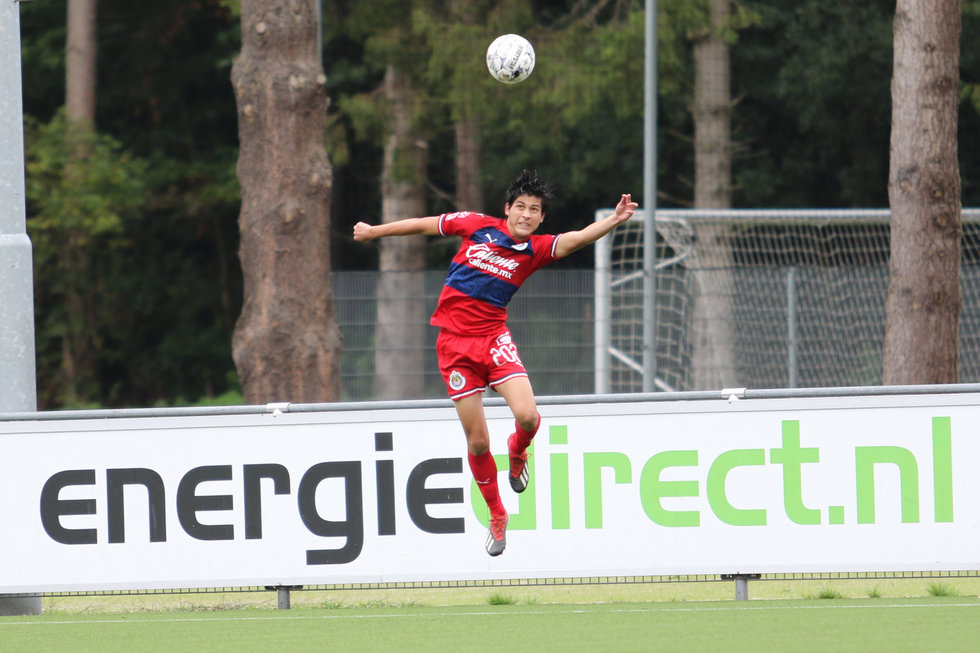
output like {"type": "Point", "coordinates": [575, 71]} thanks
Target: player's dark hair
{"type": "Point", "coordinates": [529, 183]}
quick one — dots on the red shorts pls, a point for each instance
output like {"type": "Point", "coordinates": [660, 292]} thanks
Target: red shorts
{"type": "Point", "coordinates": [471, 363]}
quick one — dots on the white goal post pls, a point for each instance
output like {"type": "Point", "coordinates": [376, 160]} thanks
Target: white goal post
{"type": "Point", "coordinates": [758, 298]}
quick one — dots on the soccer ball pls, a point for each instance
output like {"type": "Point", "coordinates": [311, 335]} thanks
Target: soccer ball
{"type": "Point", "coordinates": [510, 58]}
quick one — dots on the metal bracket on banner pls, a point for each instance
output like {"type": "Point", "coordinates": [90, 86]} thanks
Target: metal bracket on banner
{"type": "Point", "coordinates": [733, 394]}
{"type": "Point", "coordinates": [277, 408]}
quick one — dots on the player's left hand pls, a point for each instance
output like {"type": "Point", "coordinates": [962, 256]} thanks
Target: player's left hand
{"type": "Point", "coordinates": [625, 208]}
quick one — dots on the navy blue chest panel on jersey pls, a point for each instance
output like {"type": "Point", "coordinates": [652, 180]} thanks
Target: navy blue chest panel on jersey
{"type": "Point", "coordinates": [475, 272]}
{"type": "Point", "coordinates": [495, 236]}
{"type": "Point", "coordinates": [480, 285]}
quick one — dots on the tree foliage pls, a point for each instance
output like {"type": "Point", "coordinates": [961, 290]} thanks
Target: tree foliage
{"type": "Point", "coordinates": [80, 211]}
{"type": "Point", "coordinates": [155, 204]}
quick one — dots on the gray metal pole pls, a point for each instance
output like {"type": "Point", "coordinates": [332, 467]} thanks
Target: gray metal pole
{"type": "Point", "coordinates": [650, 200]}
{"type": "Point", "coordinates": [741, 589]}
{"type": "Point", "coordinates": [741, 584]}
{"type": "Point", "coordinates": [283, 598]}
{"type": "Point", "coordinates": [18, 389]}
{"type": "Point", "coordinates": [603, 312]}
{"type": "Point", "coordinates": [792, 342]}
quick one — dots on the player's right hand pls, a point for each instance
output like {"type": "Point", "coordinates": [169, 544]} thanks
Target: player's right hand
{"type": "Point", "coordinates": [362, 232]}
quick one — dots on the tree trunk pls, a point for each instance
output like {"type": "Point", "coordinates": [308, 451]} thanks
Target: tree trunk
{"type": "Point", "coordinates": [469, 197]}
{"type": "Point", "coordinates": [77, 350]}
{"type": "Point", "coordinates": [923, 305]}
{"type": "Point", "coordinates": [286, 344]}
{"type": "Point", "coordinates": [712, 114]}
{"type": "Point", "coordinates": [80, 67]}
{"type": "Point", "coordinates": [400, 330]}
{"type": "Point", "coordinates": [713, 348]}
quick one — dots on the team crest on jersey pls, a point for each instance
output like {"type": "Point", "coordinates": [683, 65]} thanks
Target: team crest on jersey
{"type": "Point", "coordinates": [456, 380]}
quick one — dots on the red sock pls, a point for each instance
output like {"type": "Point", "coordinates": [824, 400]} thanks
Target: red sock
{"type": "Point", "coordinates": [484, 469]}
{"type": "Point", "coordinates": [522, 438]}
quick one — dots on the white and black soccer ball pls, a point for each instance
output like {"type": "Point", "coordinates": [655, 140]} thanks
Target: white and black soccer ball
{"type": "Point", "coordinates": [510, 58]}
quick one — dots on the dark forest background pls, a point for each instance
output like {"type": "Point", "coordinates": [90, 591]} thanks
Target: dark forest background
{"type": "Point", "coordinates": [137, 280]}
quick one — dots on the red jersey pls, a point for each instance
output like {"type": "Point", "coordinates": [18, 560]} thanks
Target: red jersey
{"type": "Point", "coordinates": [486, 272]}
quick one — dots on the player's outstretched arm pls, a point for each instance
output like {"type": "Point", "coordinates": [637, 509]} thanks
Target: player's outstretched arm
{"type": "Point", "coordinates": [429, 226]}
{"type": "Point", "coordinates": [570, 241]}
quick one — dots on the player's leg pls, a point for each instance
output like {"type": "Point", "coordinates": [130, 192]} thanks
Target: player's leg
{"type": "Point", "coordinates": [484, 468]}
{"type": "Point", "coordinates": [520, 398]}
{"type": "Point", "coordinates": [474, 422]}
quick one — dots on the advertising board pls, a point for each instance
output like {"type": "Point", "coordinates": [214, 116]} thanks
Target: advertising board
{"type": "Point", "coordinates": [837, 484]}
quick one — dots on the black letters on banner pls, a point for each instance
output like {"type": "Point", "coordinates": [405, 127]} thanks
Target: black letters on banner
{"type": "Point", "coordinates": [386, 485]}
{"type": "Point", "coordinates": [352, 527]}
{"type": "Point", "coordinates": [52, 508]}
{"type": "Point", "coordinates": [419, 496]}
{"type": "Point", "coordinates": [189, 503]}
{"type": "Point", "coordinates": [116, 480]}
{"type": "Point", "coordinates": [253, 494]}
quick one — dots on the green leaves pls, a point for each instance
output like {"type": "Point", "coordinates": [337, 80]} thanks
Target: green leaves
{"type": "Point", "coordinates": [80, 182]}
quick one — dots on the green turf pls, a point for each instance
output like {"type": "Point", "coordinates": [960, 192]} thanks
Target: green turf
{"type": "Point", "coordinates": [948, 624]}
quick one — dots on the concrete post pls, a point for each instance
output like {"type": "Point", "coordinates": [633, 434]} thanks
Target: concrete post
{"type": "Point", "coordinates": [18, 388]}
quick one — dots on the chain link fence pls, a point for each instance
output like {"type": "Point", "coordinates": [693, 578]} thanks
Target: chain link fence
{"type": "Point", "coordinates": [551, 319]}
{"type": "Point", "coordinates": [759, 299]}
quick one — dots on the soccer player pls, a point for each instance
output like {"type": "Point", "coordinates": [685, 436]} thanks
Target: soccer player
{"type": "Point", "coordinates": [474, 347]}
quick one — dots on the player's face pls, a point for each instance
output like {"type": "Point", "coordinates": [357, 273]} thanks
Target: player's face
{"type": "Point", "coordinates": [524, 215]}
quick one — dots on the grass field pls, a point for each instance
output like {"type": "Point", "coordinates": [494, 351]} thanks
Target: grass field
{"type": "Point", "coordinates": [860, 616]}
{"type": "Point", "coordinates": [586, 593]}
{"type": "Point", "coordinates": [949, 624]}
